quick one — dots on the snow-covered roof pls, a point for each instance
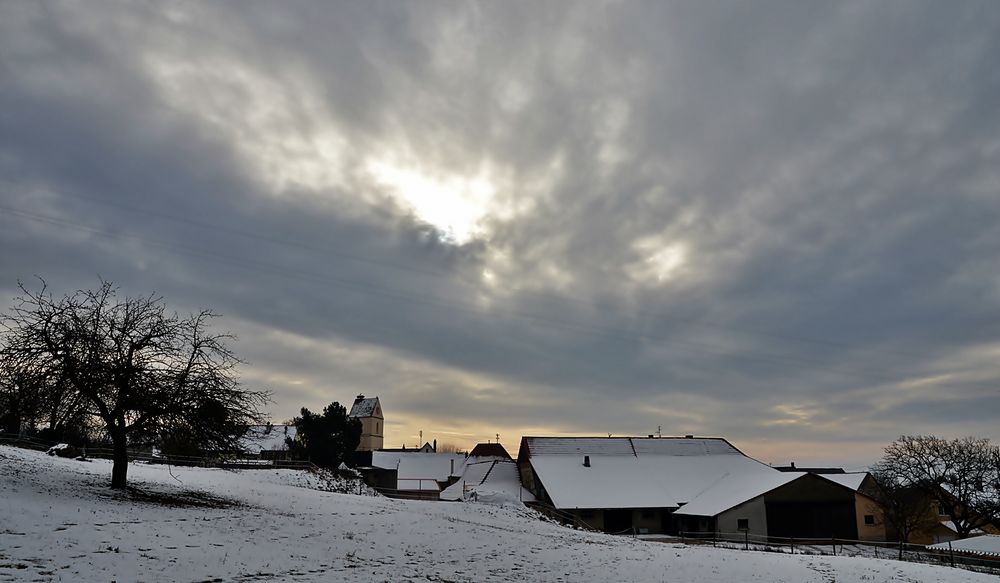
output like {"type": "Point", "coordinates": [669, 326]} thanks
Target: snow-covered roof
{"type": "Point", "coordinates": [951, 526]}
{"type": "Point", "coordinates": [675, 446]}
{"type": "Point", "coordinates": [260, 438]}
{"type": "Point", "coordinates": [647, 472]}
{"type": "Point", "coordinates": [419, 470]}
{"type": "Point", "coordinates": [852, 480]}
{"type": "Point", "coordinates": [473, 474]}
{"type": "Point", "coordinates": [493, 478]}
{"type": "Point", "coordinates": [364, 407]}
{"type": "Point", "coordinates": [734, 489]}
{"type": "Point", "coordinates": [987, 544]}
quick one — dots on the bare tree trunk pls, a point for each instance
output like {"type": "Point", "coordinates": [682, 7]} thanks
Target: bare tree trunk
{"type": "Point", "coordinates": [119, 470]}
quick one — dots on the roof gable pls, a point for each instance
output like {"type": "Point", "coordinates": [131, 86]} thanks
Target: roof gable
{"type": "Point", "coordinates": [738, 488]}
{"type": "Point", "coordinates": [852, 480]}
{"type": "Point", "coordinates": [363, 407]}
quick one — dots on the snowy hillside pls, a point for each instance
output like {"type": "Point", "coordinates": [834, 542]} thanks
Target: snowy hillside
{"type": "Point", "coordinates": [58, 521]}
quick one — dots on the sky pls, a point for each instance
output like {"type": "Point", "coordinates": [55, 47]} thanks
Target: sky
{"type": "Point", "coordinates": [775, 222]}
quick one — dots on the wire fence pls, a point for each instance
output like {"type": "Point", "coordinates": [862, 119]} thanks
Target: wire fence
{"type": "Point", "coordinates": [744, 540]}
{"type": "Point", "coordinates": [231, 462]}
{"type": "Point", "coordinates": [900, 551]}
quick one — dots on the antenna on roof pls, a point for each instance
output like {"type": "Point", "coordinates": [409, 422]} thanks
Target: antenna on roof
{"type": "Point", "coordinates": [659, 431]}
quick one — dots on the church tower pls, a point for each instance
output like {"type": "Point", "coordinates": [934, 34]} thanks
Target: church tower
{"type": "Point", "coordinates": [369, 412]}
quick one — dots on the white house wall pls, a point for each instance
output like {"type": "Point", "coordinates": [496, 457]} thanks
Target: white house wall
{"type": "Point", "coordinates": [755, 510]}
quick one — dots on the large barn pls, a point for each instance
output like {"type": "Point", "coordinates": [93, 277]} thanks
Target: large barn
{"type": "Point", "coordinates": [673, 484]}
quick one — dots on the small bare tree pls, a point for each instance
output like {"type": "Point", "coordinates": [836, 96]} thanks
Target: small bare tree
{"type": "Point", "coordinates": [960, 475]}
{"type": "Point", "coordinates": [906, 508]}
{"type": "Point", "coordinates": [139, 369]}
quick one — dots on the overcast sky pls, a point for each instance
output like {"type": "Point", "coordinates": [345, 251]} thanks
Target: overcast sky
{"type": "Point", "coordinates": [777, 222]}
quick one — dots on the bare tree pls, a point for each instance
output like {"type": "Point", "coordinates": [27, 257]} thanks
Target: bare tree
{"type": "Point", "coordinates": [139, 369]}
{"type": "Point", "coordinates": [33, 396]}
{"type": "Point", "coordinates": [20, 399]}
{"type": "Point", "coordinates": [960, 475]}
{"type": "Point", "coordinates": [906, 508]}
{"type": "Point", "coordinates": [446, 447]}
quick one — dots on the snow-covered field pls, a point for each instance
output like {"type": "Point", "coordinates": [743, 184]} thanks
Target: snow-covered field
{"type": "Point", "coordinates": [58, 521]}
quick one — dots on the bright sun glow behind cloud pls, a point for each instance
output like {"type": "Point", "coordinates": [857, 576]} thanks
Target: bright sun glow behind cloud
{"type": "Point", "coordinates": [453, 204]}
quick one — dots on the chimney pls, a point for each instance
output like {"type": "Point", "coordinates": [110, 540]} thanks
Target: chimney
{"type": "Point", "coordinates": [586, 461]}
{"type": "Point", "coordinates": [435, 445]}
{"type": "Point", "coordinates": [793, 465]}
{"type": "Point", "coordinates": [689, 437]}
{"type": "Point", "coordinates": [650, 436]}
{"type": "Point", "coordinates": [359, 398]}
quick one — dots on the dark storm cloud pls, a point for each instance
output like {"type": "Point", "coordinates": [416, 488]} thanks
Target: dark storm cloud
{"type": "Point", "coordinates": [760, 221]}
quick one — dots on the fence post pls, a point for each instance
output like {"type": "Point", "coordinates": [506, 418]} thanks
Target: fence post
{"type": "Point", "coordinates": [900, 549]}
{"type": "Point", "coordinates": [951, 554]}
{"type": "Point", "coordinates": [746, 539]}
{"type": "Point", "coordinates": [715, 538]}
{"type": "Point", "coordinates": [834, 541]}
{"type": "Point", "coordinates": [793, 545]}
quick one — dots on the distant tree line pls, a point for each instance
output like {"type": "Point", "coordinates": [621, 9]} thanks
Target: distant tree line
{"type": "Point", "coordinates": [921, 476]}
{"type": "Point", "coordinates": [93, 365]}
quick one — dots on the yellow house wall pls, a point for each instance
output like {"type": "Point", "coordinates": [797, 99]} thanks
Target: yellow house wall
{"type": "Point", "coordinates": [864, 505]}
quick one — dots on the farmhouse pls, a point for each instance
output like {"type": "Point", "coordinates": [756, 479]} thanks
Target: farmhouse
{"type": "Point", "coordinates": [869, 515]}
{"type": "Point", "coordinates": [780, 505]}
{"type": "Point", "coordinates": [673, 484]}
{"type": "Point", "coordinates": [413, 474]}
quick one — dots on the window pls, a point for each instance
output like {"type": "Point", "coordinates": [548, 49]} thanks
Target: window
{"type": "Point", "coordinates": [376, 427]}
{"type": "Point", "coordinates": [743, 524]}
{"type": "Point", "coordinates": [869, 519]}
{"type": "Point", "coordinates": [942, 511]}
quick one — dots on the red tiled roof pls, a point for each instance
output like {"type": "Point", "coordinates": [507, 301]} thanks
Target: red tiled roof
{"type": "Point", "coordinates": [489, 449]}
